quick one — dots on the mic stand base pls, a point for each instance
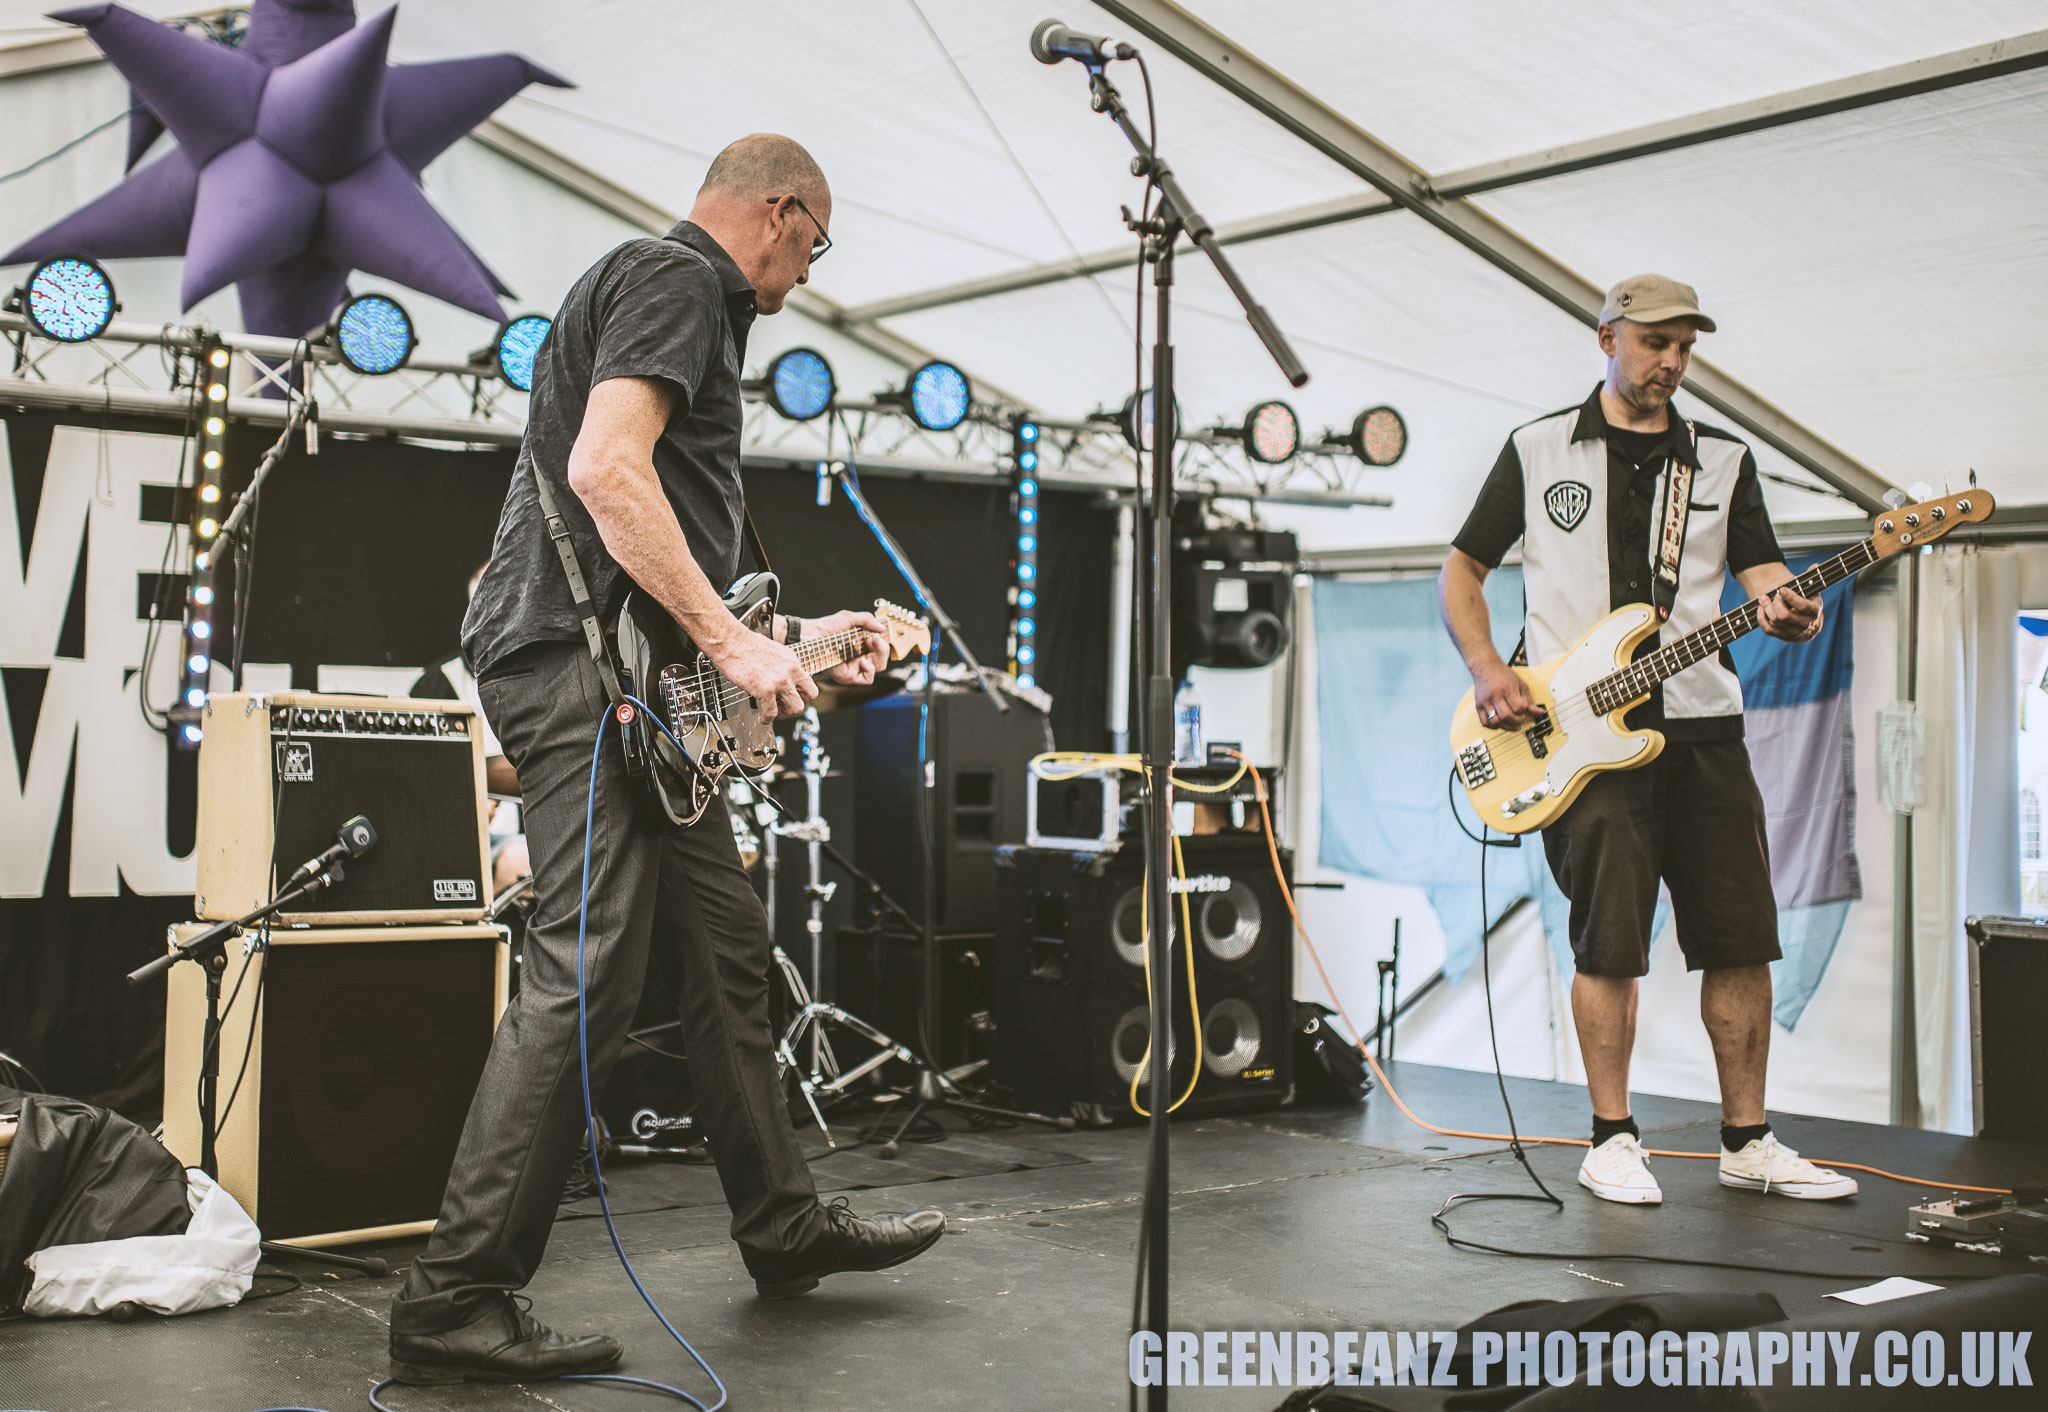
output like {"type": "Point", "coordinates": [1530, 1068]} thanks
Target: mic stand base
{"type": "Point", "coordinates": [934, 1090]}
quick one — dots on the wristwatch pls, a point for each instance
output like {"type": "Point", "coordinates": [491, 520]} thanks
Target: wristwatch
{"type": "Point", "coordinates": [794, 627]}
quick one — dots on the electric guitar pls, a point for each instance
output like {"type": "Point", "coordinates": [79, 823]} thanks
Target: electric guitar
{"type": "Point", "coordinates": [1523, 779]}
{"type": "Point", "coordinates": [720, 727]}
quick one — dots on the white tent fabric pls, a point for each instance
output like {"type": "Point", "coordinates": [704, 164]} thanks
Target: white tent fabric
{"type": "Point", "coordinates": [1881, 274]}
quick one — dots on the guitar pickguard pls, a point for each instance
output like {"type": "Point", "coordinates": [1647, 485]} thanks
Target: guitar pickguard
{"type": "Point", "coordinates": [1522, 780]}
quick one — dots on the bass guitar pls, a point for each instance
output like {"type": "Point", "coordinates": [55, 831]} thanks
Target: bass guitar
{"type": "Point", "coordinates": [1519, 780]}
{"type": "Point", "coordinates": [720, 727]}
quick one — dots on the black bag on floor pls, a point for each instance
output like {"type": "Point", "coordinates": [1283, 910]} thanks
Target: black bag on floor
{"type": "Point", "coordinates": [1643, 1313]}
{"type": "Point", "coordinates": [1326, 1066]}
{"type": "Point", "coordinates": [78, 1174]}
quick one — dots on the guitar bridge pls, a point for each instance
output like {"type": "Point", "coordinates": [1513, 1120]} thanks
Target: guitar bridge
{"type": "Point", "coordinates": [1475, 765]}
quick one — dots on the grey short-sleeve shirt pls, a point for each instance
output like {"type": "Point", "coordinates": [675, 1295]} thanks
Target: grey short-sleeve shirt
{"type": "Point", "coordinates": [677, 310]}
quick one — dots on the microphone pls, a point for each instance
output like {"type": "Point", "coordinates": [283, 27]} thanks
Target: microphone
{"type": "Point", "coordinates": [1053, 41]}
{"type": "Point", "coordinates": [353, 840]}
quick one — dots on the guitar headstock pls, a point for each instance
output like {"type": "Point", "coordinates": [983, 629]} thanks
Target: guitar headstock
{"type": "Point", "coordinates": [1910, 526]}
{"type": "Point", "coordinates": [906, 631]}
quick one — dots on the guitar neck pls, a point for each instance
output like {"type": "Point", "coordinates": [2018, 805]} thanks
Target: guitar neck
{"type": "Point", "coordinates": [1640, 677]}
{"type": "Point", "coordinates": [817, 654]}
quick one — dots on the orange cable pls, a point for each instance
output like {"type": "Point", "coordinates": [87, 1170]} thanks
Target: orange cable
{"type": "Point", "coordinates": [1287, 892]}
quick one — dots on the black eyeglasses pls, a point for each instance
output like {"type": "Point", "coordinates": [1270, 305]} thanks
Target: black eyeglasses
{"type": "Point", "coordinates": [824, 241]}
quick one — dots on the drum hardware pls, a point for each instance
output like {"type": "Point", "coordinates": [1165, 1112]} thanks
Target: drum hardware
{"type": "Point", "coordinates": [823, 1078]}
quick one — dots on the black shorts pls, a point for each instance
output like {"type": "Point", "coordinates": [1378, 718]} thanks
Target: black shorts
{"type": "Point", "coordinates": [1692, 816]}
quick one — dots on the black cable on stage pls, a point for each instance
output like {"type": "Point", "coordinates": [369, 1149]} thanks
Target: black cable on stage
{"type": "Point", "coordinates": [255, 1012]}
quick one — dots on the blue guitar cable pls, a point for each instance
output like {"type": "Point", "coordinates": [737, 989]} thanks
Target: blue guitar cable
{"type": "Point", "coordinates": [590, 1115]}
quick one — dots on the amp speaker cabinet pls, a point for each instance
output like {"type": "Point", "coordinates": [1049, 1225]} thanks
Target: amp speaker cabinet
{"type": "Point", "coordinates": [980, 759]}
{"type": "Point", "coordinates": [364, 1054]}
{"type": "Point", "coordinates": [2008, 995]}
{"type": "Point", "coordinates": [1069, 980]}
{"type": "Point", "coordinates": [279, 773]}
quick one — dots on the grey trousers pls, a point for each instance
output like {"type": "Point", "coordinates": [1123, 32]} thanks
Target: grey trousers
{"type": "Point", "coordinates": [684, 890]}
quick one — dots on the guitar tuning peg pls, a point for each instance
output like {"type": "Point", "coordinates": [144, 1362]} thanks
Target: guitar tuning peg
{"type": "Point", "coordinates": [1973, 477]}
{"type": "Point", "coordinates": [1895, 497]}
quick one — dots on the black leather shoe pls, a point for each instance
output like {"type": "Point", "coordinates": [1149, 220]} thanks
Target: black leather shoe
{"type": "Point", "coordinates": [848, 1242]}
{"type": "Point", "coordinates": [506, 1345]}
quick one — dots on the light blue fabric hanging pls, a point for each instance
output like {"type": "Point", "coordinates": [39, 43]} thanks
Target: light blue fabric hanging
{"type": "Point", "coordinates": [1387, 680]}
{"type": "Point", "coordinates": [1802, 748]}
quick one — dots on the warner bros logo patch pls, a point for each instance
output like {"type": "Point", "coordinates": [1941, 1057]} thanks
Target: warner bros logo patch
{"type": "Point", "coordinates": [1567, 502]}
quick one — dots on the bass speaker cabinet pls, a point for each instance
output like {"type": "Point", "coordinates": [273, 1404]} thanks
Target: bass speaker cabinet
{"type": "Point", "coordinates": [2008, 994]}
{"type": "Point", "coordinates": [981, 761]}
{"type": "Point", "coordinates": [358, 1050]}
{"type": "Point", "coordinates": [280, 773]}
{"type": "Point", "coordinates": [1069, 980]}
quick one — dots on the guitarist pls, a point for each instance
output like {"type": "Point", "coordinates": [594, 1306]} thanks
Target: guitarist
{"type": "Point", "coordinates": [1619, 501]}
{"type": "Point", "coordinates": [635, 421]}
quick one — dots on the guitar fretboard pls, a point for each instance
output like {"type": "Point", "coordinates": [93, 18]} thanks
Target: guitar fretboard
{"type": "Point", "coordinates": [816, 654]}
{"type": "Point", "coordinates": [1640, 677]}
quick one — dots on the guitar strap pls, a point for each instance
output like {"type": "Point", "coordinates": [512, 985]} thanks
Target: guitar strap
{"type": "Point", "coordinates": [1678, 474]}
{"type": "Point", "coordinates": [754, 540]}
{"type": "Point", "coordinates": [579, 591]}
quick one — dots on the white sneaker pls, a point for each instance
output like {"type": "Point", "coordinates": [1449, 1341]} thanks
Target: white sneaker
{"type": "Point", "coordinates": [1617, 1170]}
{"type": "Point", "coordinates": [1765, 1164]}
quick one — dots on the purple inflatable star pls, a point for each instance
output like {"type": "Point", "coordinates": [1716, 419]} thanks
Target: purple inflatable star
{"type": "Point", "coordinates": [298, 160]}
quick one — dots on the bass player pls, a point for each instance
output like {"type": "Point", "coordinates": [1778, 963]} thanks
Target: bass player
{"type": "Point", "coordinates": [1620, 501]}
{"type": "Point", "coordinates": [635, 420]}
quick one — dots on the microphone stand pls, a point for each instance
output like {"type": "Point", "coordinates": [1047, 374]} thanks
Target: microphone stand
{"type": "Point", "coordinates": [209, 950]}
{"type": "Point", "coordinates": [932, 1088]}
{"type": "Point", "coordinates": [1159, 234]}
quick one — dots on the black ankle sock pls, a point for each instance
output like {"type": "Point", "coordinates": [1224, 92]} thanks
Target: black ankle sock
{"type": "Point", "coordinates": [1605, 1128]}
{"type": "Point", "coordinates": [1734, 1139]}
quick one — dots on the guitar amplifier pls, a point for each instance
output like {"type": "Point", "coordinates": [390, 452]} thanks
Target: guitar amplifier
{"type": "Point", "coordinates": [358, 1055]}
{"type": "Point", "coordinates": [280, 773]}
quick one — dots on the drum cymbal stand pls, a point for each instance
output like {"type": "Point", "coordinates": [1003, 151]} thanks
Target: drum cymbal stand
{"type": "Point", "coordinates": [823, 1078]}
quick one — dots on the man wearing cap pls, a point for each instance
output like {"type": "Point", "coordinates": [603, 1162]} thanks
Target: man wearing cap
{"type": "Point", "coordinates": [1592, 491]}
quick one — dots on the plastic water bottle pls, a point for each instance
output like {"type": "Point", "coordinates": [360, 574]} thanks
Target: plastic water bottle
{"type": "Point", "coordinates": [1187, 725]}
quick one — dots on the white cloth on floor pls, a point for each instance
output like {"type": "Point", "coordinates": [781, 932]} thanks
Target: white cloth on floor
{"type": "Point", "coordinates": [207, 1267]}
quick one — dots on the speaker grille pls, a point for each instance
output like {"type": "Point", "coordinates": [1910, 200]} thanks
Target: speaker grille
{"type": "Point", "coordinates": [371, 1055]}
{"type": "Point", "coordinates": [420, 795]}
{"type": "Point", "coordinates": [1232, 923]}
{"type": "Point", "coordinates": [1231, 1038]}
{"type": "Point", "coordinates": [1128, 1041]}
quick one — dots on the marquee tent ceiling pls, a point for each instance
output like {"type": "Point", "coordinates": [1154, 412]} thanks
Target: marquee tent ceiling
{"type": "Point", "coordinates": [1881, 274]}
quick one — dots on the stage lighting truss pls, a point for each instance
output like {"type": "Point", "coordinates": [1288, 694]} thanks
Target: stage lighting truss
{"type": "Point", "coordinates": [150, 371]}
{"type": "Point", "coordinates": [373, 334]}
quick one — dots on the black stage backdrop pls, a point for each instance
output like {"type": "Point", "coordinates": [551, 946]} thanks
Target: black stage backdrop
{"type": "Point", "coordinates": [362, 559]}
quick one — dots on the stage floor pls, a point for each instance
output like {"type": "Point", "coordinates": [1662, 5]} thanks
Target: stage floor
{"type": "Point", "coordinates": [1304, 1218]}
